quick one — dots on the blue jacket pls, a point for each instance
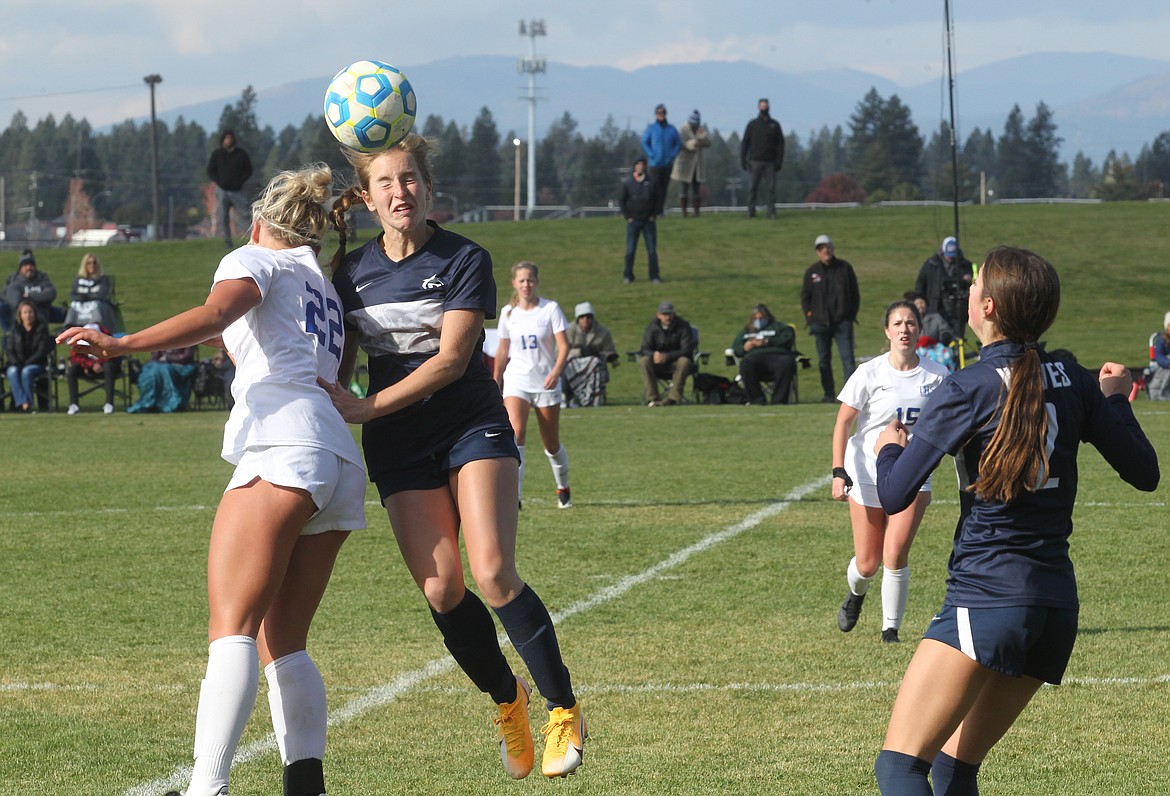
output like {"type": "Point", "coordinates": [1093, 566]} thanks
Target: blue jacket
{"type": "Point", "coordinates": [661, 144]}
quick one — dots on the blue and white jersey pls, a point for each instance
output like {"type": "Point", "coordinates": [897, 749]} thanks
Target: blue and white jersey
{"type": "Point", "coordinates": [397, 311]}
{"type": "Point", "coordinates": [880, 393]}
{"type": "Point", "coordinates": [1016, 553]}
{"type": "Point", "coordinates": [532, 349]}
{"type": "Point", "coordinates": [281, 347]}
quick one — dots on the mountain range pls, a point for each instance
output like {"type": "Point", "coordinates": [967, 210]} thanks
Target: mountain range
{"type": "Point", "coordinates": [1101, 101]}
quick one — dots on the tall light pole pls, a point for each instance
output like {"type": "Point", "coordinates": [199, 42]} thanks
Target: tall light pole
{"type": "Point", "coordinates": [532, 66]}
{"type": "Point", "coordinates": [152, 81]}
{"type": "Point", "coordinates": [516, 191]}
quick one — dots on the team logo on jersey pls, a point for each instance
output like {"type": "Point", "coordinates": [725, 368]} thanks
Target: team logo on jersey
{"type": "Point", "coordinates": [433, 283]}
{"type": "Point", "coordinates": [926, 389]}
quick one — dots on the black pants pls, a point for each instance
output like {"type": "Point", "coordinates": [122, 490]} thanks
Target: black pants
{"type": "Point", "coordinates": [762, 171]}
{"type": "Point", "coordinates": [777, 367]}
{"type": "Point", "coordinates": [661, 177]}
{"type": "Point", "coordinates": [110, 374]}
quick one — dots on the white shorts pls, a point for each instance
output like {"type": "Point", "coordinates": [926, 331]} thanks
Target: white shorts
{"type": "Point", "coordinates": [539, 398]}
{"type": "Point", "coordinates": [337, 486]}
{"type": "Point", "coordinates": [864, 494]}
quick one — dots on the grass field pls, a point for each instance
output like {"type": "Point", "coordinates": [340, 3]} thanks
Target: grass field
{"type": "Point", "coordinates": [695, 582]}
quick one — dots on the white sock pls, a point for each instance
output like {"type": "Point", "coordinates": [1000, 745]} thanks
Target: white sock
{"type": "Point", "coordinates": [520, 482]}
{"type": "Point", "coordinates": [559, 462]}
{"type": "Point", "coordinates": [296, 696]}
{"type": "Point", "coordinates": [857, 584]}
{"type": "Point", "coordinates": [226, 699]}
{"type": "Point", "coordinates": [895, 591]}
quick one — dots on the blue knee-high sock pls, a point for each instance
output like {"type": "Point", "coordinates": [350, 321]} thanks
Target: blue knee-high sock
{"type": "Point", "coordinates": [470, 636]}
{"type": "Point", "coordinates": [953, 777]}
{"type": "Point", "coordinates": [530, 628]}
{"type": "Point", "coordinates": [902, 775]}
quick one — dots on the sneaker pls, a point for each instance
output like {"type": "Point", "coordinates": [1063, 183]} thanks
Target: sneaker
{"type": "Point", "coordinates": [627, 280]}
{"type": "Point", "coordinates": [516, 749]}
{"type": "Point", "coordinates": [850, 611]}
{"type": "Point", "coordinates": [654, 402]}
{"type": "Point", "coordinates": [890, 636]}
{"type": "Point", "coordinates": [108, 409]}
{"type": "Point", "coordinates": [564, 742]}
{"type": "Point", "coordinates": [564, 501]}
{"type": "Point", "coordinates": [73, 409]}
{"type": "Point", "coordinates": [669, 402]}
{"type": "Point", "coordinates": [656, 281]}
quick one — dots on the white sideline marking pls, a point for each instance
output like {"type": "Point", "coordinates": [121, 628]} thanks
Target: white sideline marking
{"type": "Point", "coordinates": [619, 688]}
{"type": "Point", "coordinates": [387, 693]}
{"type": "Point", "coordinates": [625, 503]}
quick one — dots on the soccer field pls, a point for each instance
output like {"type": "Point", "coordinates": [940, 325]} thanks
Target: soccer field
{"type": "Point", "coordinates": [695, 585]}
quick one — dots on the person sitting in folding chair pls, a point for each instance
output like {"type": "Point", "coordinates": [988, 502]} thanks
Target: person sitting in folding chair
{"type": "Point", "coordinates": [591, 350]}
{"type": "Point", "coordinates": [1158, 373]}
{"type": "Point", "coordinates": [765, 351]}
{"type": "Point", "coordinates": [668, 349]}
{"type": "Point", "coordinates": [83, 364]}
{"type": "Point", "coordinates": [29, 347]}
{"type": "Point", "coordinates": [164, 383]}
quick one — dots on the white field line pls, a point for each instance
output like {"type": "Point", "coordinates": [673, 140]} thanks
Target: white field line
{"type": "Point", "coordinates": [623, 688]}
{"type": "Point", "coordinates": [1122, 504]}
{"type": "Point", "coordinates": [405, 682]}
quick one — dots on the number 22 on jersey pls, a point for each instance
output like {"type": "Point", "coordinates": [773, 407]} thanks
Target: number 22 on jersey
{"type": "Point", "coordinates": [323, 319]}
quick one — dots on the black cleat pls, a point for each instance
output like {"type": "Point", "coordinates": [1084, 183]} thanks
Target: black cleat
{"type": "Point", "coordinates": [850, 611]}
{"type": "Point", "coordinates": [890, 636]}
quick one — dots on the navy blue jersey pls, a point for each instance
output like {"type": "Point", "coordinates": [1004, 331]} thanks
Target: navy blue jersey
{"type": "Point", "coordinates": [397, 311]}
{"type": "Point", "coordinates": [1016, 553]}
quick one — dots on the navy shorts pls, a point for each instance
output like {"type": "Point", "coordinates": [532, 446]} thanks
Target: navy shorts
{"type": "Point", "coordinates": [1019, 640]}
{"type": "Point", "coordinates": [434, 471]}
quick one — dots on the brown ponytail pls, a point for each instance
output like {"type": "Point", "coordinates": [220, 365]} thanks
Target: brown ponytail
{"type": "Point", "coordinates": [350, 197]}
{"type": "Point", "coordinates": [1026, 292]}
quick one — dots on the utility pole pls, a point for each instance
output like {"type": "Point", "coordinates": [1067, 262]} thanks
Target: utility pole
{"type": "Point", "coordinates": [516, 191]}
{"type": "Point", "coordinates": [532, 66]}
{"type": "Point", "coordinates": [152, 81]}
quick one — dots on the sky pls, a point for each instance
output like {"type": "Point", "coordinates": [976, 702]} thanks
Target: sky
{"type": "Point", "coordinates": [89, 58]}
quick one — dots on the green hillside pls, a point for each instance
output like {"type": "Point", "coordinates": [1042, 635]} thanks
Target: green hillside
{"type": "Point", "coordinates": [1111, 258]}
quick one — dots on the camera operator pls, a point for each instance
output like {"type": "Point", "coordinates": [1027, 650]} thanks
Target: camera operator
{"type": "Point", "coordinates": [945, 280]}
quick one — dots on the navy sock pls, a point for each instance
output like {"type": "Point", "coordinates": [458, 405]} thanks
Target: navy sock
{"type": "Point", "coordinates": [530, 628]}
{"type": "Point", "coordinates": [902, 775]}
{"type": "Point", "coordinates": [470, 636]}
{"type": "Point", "coordinates": [953, 777]}
{"type": "Point", "coordinates": [304, 778]}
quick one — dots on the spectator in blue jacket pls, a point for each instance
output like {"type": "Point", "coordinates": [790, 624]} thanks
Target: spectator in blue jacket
{"type": "Point", "coordinates": [661, 144]}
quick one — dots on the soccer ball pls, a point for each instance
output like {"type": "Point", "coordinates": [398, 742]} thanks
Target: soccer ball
{"type": "Point", "coordinates": [369, 106]}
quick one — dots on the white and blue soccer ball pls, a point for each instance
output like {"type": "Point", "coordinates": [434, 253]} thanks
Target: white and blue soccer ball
{"type": "Point", "coordinates": [369, 106]}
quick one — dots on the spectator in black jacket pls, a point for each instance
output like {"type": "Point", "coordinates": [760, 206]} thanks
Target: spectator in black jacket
{"type": "Point", "coordinates": [945, 281]}
{"type": "Point", "coordinates": [28, 347]}
{"type": "Point", "coordinates": [761, 152]}
{"type": "Point", "coordinates": [637, 204]}
{"type": "Point", "coordinates": [229, 168]}
{"type": "Point", "coordinates": [830, 300]}
{"type": "Point", "coordinates": [668, 346]}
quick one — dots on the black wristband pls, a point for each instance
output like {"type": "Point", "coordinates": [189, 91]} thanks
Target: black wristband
{"type": "Point", "coordinates": [842, 473]}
